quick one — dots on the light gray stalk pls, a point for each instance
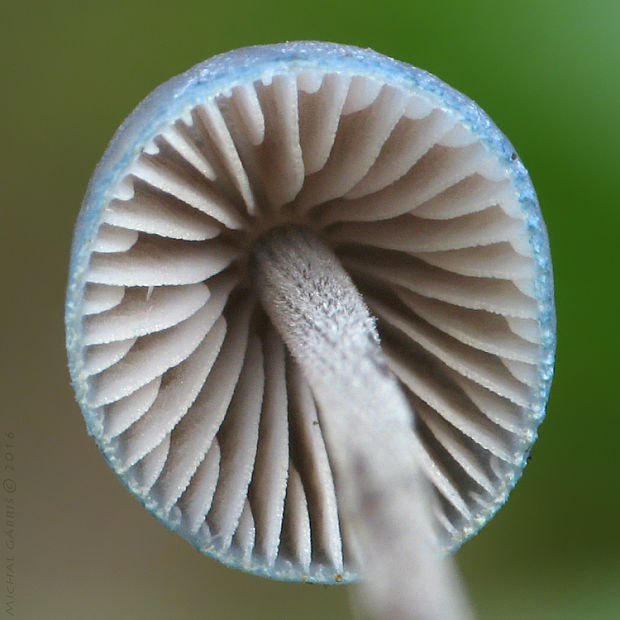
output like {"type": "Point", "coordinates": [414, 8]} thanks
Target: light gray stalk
{"type": "Point", "coordinates": [385, 502]}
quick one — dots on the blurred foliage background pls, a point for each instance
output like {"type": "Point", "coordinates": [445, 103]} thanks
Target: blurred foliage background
{"type": "Point", "coordinates": [546, 71]}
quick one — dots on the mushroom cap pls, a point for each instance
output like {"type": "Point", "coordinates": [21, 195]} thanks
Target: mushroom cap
{"type": "Point", "coordinates": [183, 381]}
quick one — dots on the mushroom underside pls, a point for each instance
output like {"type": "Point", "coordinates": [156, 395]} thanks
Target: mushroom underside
{"type": "Point", "coordinates": [198, 405]}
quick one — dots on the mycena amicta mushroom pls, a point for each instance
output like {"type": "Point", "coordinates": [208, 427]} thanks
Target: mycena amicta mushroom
{"type": "Point", "coordinates": [310, 317]}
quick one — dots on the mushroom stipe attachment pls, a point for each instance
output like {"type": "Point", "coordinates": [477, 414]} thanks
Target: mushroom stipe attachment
{"type": "Point", "coordinates": [310, 318]}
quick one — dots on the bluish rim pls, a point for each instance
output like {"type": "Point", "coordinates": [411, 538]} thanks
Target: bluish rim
{"type": "Point", "coordinates": [219, 75]}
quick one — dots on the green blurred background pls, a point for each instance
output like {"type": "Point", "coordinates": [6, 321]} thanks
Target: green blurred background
{"type": "Point", "coordinates": [548, 74]}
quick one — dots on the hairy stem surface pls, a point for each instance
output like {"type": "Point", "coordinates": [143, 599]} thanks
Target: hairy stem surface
{"type": "Point", "coordinates": [384, 499]}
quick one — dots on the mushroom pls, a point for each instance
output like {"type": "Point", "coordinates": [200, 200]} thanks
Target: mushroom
{"type": "Point", "coordinates": [310, 318]}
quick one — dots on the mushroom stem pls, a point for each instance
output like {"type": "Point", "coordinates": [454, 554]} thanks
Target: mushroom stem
{"type": "Point", "coordinates": [384, 499]}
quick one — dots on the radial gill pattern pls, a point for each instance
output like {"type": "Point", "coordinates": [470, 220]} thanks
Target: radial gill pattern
{"type": "Point", "coordinates": [183, 381]}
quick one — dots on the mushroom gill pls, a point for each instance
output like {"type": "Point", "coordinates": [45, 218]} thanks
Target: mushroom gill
{"type": "Point", "coordinates": [188, 388]}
